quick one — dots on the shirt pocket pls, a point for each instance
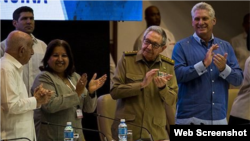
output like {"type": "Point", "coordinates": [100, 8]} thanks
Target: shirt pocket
{"type": "Point", "coordinates": [159, 122]}
{"type": "Point", "coordinates": [130, 78]}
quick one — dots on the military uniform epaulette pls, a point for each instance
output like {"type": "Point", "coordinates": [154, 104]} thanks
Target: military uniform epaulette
{"type": "Point", "coordinates": [166, 59]}
{"type": "Point", "coordinates": [128, 53]}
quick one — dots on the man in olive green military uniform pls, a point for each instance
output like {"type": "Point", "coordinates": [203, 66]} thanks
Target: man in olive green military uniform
{"type": "Point", "coordinates": [140, 92]}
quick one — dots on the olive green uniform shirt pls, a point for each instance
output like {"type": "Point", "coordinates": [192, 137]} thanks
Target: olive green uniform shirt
{"type": "Point", "coordinates": [143, 107]}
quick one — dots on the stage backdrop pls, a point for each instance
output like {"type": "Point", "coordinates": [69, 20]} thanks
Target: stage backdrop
{"type": "Point", "coordinates": [113, 10]}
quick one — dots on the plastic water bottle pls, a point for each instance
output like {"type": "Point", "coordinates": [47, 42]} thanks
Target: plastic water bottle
{"type": "Point", "coordinates": [122, 131]}
{"type": "Point", "coordinates": [68, 132]}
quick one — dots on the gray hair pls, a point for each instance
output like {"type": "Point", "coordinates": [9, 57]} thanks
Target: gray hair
{"type": "Point", "coordinates": [204, 6]}
{"type": "Point", "coordinates": [158, 30]}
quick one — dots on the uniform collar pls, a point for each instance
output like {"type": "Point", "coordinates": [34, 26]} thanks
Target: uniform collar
{"type": "Point", "coordinates": [140, 57]}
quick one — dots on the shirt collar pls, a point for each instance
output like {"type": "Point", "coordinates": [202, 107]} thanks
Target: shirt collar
{"type": "Point", "coordinates": [198, 39]}
{"type": "Point", "coordinates": [33, 38]}
{"type": "Point", "coordinates": [13, 60]}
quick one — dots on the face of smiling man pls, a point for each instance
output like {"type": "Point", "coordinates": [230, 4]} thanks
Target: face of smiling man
{"type": "Point", "coordinates": [203, 24]}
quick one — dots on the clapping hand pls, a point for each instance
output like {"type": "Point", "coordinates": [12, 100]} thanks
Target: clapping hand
{"type": "Point", "coordinates": [95, 84]}
{"type": "Point", "coordinates": [42, 95]}
{"type": "Point", "coordinates": [220, 61]}
{"type": "Point", "coordinates": [81, 84]}
{"type": "Point", "coordinates": [161, 81]}
{"type": "Point", "coordinates": [209, 55]}
{"type": "Point", "coordinates": [148, 78]}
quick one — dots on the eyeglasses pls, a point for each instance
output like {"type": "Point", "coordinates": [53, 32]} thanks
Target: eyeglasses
{"type": "Point", "coordinates": [154, 45]}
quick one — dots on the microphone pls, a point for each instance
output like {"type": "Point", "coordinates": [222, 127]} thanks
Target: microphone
{"type": "Point", "coordinates": [151, 137]}
{"type": "Point", "coordinates": [85, 129]}
{"type": "Point", "coordinates": [16, 139]}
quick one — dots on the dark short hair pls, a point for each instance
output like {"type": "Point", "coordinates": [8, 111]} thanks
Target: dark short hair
{"type": "Point", "coordinates": [18, 11]}
{"type": "Point", "coordinates": [51, 46]}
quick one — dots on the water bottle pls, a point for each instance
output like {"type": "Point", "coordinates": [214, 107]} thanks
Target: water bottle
{"type": "Point", "coordinates": [122, 131]}
{"type": "Point", "coordinates": [68, 132]}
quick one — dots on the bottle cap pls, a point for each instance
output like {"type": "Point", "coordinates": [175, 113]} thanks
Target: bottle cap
{"type": "Point", "coordinates": [122, 120]}
{"type": "Point", "coordinates": [68, 123]}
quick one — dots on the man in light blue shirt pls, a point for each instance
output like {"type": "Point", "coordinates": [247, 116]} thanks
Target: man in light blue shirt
{"type": "Point", "coordinates": [204, 67]}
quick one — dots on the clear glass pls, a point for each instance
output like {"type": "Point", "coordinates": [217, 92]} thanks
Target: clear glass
{"type": "Point", "coordinates": [129, 135]}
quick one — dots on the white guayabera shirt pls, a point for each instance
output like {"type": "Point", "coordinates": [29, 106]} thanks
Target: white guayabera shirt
{"type": "Point", "coordinates": [16, 107]}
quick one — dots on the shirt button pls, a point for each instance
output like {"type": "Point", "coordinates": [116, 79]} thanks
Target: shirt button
{"type": "Point", "coordinates": [212, 80]}
{"type": "Point", "coordinates": [211, 69]}
{"type": "Point", "coordinates": [213, 103]}
{"type": "Point", "coordinates": [213, 92]}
